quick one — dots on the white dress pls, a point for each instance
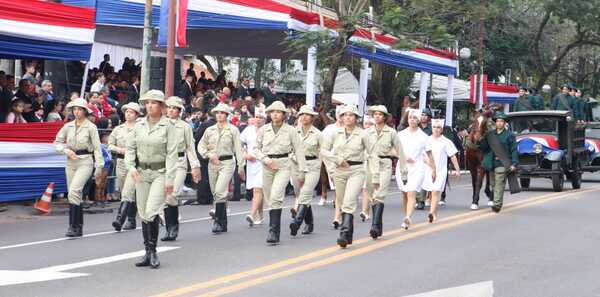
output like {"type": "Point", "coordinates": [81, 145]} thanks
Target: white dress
{"type": "Point", "coordinates": [441, 149]}
{"type": "Point", "coordinates": [254, 169]}
{"type": "Point", "coordinates": [415, 146]}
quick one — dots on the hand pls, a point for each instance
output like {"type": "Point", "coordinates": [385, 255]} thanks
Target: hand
{"type": "Point", "coordinates": [215, 160]}
{"type": "Point", "coordinates": [196, 175]}
{"type": "Point", "coordinates": [376, 187]}
{"type": "Point", "coordinates": [301, 181]}
{"type": "Point", "coordinates": [433, 175]}
{"type": "Point", "coordinates": [169, 190]}
{"type": "Point", "coordinates": [242, 174]}
{"type": "Point", "coordinates": [344, 164]}
{"type": "Point", "coordinates": [70, 154]}
{"type": "Point", "coordinates": [271, 164]}
{"type": "Point", "coordinates": [135, 175]}
{"type": "Point", "coordinates": [249, 157]}
{"type": "Point", "coordinates": [456, 172]}
{"type": "Point", "coordinates": [512, 168]}
{"type": "Point", "coordinates": [122, 151]}
{"type": "Point", "coordinates": [410, 161]}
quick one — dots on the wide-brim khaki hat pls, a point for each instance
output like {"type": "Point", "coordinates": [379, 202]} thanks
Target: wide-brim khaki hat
{"type": "Point", "coordinates": [132, 106]}
{"type": "Point", "coordinates": [175, 101]}
{"type": "Point", "coordinates": [306, 109]}
{"type": "Point", "coordinates": [277, 106]}
{"type": "Point", "coordinates": [350, 109]}
{"type": "Point", "coordinates": [155, 95]}
{"type": "Point", "coordinates": [379, 108]}
{"type": "Point", "coordinates": [221, 107]}
{"type": "Point", "coordinates": [79, 102]}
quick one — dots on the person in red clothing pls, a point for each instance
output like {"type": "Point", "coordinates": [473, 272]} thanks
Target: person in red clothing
{"type": "Point", "coordinates": [93, 104]}
{"type": "Point", "coordinates": [105, 107]}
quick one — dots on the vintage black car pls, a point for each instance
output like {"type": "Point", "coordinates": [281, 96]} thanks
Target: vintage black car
{"type": "Point", "coordinates": [592, 146]}
{"type": "Point", "coordinates": [551, 145]}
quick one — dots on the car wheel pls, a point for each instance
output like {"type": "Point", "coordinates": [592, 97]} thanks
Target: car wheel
{"type": "Point", "coordinates": [558, 180]}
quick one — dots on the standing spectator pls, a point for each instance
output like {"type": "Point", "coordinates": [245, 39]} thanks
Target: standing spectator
{"type": "Point", "coordinates": [220, 80]}
{"type": "Point", "coordinates": [244, 89]}
{"type": "Point", "coordinates": [99, 83]}
{"type": "Point", "coordinates": [94, 104]}
{"type": "Point", "coordinates": [202, 80]}
{"type": "Point", "coordinates": [5, 97]}
{"type": "Point", "coordinates": [133, 92]}
{"type": "Point", "coordinates": [225, 95]}
{"type": "Point", "coordinates": [191, 72]}
{"type": "Point", "coordinates": [105, 104]}
{"type": "Point", "coordinates": [105, 65]}
{"type": "Point", "coordinates": [100, 193]}
{"type": "Point", "coordinates": [15, 116]}
{"type": "Point", "coordinates": [269, 92]}
{"type": "Point", "coordinates": [31, 74]}
{"type": "Point", "coordinates": [187, 89]}
{"type": "Point", "coordinates": [53, 109]}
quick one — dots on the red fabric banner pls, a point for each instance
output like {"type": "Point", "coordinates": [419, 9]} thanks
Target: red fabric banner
{"type": "Point", "coordinates": [47, 13]}
{"type": "Point", "coordinates": [30, 132]}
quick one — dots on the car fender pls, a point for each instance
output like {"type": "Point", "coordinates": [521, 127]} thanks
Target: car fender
{"type": "Point", "coordinates": [554, 156]}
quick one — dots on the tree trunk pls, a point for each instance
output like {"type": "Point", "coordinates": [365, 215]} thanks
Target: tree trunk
{"type": "Point", "coordinates": [335, 62]}
{"type": "Point", "coordinates": [208, 65]}
{"type": "Point", "coordinates": [260, 64]}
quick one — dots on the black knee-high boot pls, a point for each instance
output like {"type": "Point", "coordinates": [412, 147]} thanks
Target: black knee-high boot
{"type": "Point", "coordinates": [274, 226]}
{"type": "Point", "coordinates": [152, 242]}
{"type": "Point", "coordinates": [346, 230]}
{"type": "Point", "coordinates": [308, 221]}
{"type": "Point", "coordinates": [131, 214]}
{"type": "Point", "coordinates": [145, 261]}
{"type": "Point", "coordinates": [121, 216]}
{"type": "Point", "coordinates": [377, 223]}
{"type": "Point", "coordinates": [297, 221]}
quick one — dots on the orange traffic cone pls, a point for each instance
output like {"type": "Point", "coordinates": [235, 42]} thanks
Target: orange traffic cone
{"type": "Point", "coordinates": [43, 204]}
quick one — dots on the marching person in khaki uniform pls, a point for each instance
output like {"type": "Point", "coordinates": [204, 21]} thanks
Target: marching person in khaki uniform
{"type": "Point", "coordinates": [275, 143]}
{"type": "Point", "coordinates": [117, 144]}
{"type": "Point", "coordinates": [221, 144]}
{"type": "Point", "coordinates": [185, 152]}
{"type": "Point", "coordinates": [153, 144]}
{"type": "Point", "coordinates": [383, 146]}
{"type": "Point", "coordinates": [347, 150]}
{"type": "Point", "coordinates": [311, 140]}
{"type": "Point", "coordinates": [79, 140]}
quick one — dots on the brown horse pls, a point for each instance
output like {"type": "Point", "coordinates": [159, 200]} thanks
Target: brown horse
{"type": "Point", "coordinates": [474, 155]}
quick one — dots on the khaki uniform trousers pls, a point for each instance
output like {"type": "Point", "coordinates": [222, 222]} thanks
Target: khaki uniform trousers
{"type": "Point", "coordinates": [78, 173]}
{"type": "Point", "coordinates": [311, 179]}
{"type": "Point", "coordinates": [348, 186]}
{"type": "Point", "coordinates": [150, 194]}
{"type": "Point", "coordinates": [125, 182]}
{"type": "Point", "coordinates": [498, 183]}
{"type": "Point", "coordinates": [219, 177]}
{"type": "Point", "coordinates": [385, 176]}
{"type": "Point", "coordinates": [275, 182]}
{"type": "Point", "coordinates": [180, 175]}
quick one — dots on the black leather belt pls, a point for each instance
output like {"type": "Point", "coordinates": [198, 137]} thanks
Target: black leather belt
{"type": "Point", "coordinates": [82, 152]}
{"type": "Point", "coordinates": [119, 156]}
{"type": "Point", "coordinates": [152, 166]}
{"type": "Point", "coordinates": [223, 158]}
{"type": "Point", "coordinates": [308, 158]}
{"type": "Point", "coordinates": [352, 163]}
{"type": "Point", "coordinates": [386, 157]}
{"type": "Point", "coordinates": [181, 154]}
{"type": "Point", "coordinates": [278, 156]}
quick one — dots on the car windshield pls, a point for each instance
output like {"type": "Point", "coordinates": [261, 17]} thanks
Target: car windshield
{"type": "Point", "coordinates": [592, 132]}
{"type": "Point", "coordinates": [522, 125]}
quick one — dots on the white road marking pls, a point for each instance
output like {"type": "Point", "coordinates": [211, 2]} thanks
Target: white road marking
{"type": "Point", "coordinates": [14, 277]}
{"type": "Point", "coordinates": [482, 289]}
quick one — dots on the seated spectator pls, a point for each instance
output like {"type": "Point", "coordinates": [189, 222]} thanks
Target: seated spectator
{"type": "Point", "coordinates": [98, 85]}
{"type": "Point", "coordinates": [5, 97]}
{"type": "Point", "coordinates": [133, 91]}
{"type": "Point", "coordinates": [47, 91]}
{"type": "Point", "coordinates": [95, 106]}
{"type": "Point", "coordinates": [53, 109]}
{"type": "Point", "coordinates": [106, 104]}
{"type": "Point", "coordinates": [15, 116]}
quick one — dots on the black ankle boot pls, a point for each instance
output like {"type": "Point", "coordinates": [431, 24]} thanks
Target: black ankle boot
{"type": "Point", "coordinates": [308, 221]}
{"type": "Point", "coordinates": [78, 221]}
{"type": "Point", "coordinates": [274, 226]}
{"type": "Point", "coordinates": [72, 219]}
{"type": "Point", "coordinates": [131, 214]}
{"type": "Point", "coordinates": [152, 241]}
{"type": "Point", "coordinates": [298, 219]}
{"type": "Point", "coordinates": [145, 261]}
{"type": "Point", "coordinates": [346, 230]}
{"type": "Point", "coordinates": [220, 221]}
{"type": "Point", "coordinates": [377, 223]}
{"type": "Point", "coordinates": [121, 215]}
{"type": "Point", "coordinates": [170, 222]}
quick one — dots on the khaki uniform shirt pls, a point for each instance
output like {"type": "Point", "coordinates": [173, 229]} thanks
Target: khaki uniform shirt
{"type": "Point", "coordinates": [82, 137]}
{"type": "Point", "coordinates": [118, 138]}
{"type": "Point", "coordinates": [340, 147]}
{"type": "Point", "coordinates": [185, 135]}
{"type": "Point", "coordinates": [384, 143]}
{"type": "Point", "coordinates": [285, 141]}
{"type": "Point", "coordinates": [151, 144]}
{"type": "Point", "coordinates": [222, 142]}
{"type": "Point", "coordinates": [311, 142]}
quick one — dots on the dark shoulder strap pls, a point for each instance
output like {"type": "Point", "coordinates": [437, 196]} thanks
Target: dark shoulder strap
{"type": "Point", "coordinates": [498, 149]}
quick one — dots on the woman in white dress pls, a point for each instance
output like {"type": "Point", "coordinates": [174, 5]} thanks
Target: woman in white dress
{"type": "Point", "coordinates": [418, 155]}
{"type": "Point", "coordinates": [253, 168]}
{"type": "Point", "coordinates": [441, 149]}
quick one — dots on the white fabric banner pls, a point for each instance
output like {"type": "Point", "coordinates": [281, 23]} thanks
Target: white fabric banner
{"type": "Point", "coordinates": [30, 155]}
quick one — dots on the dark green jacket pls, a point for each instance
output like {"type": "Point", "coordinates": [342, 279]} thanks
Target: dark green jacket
{"type": "Point", "coordinates": [427, 130]}
{"type": "Point", "coordinates": [580, 109]}
{"type": "Point", "coordinates": [507, 139]}
{"type": "Point", "coordinates": [557, 102]}
{"type": "Point", "coordinates": [523, 103]}
{"type": "Point", "coordinates": [538, 102]}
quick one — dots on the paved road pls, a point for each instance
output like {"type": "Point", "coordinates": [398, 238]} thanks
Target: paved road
{"type": "Point", "coordinates": [542, 244]}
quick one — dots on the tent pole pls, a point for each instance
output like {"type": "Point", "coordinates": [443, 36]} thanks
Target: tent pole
{"type": "Point", "coordinates": [84, 81]}
{"type": "Point", "coordinates": [146, 48]}
{"type": "Point", "coordinates": [423, 90]}
{"type": "Point", "coordinates": [311, 69]}
{"type": "Point", "coordinates": [364, 85]}
{"type": "Point", "coordinates": [170, 71]}
{"type": "Point", "coordinates": [450, 100]}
